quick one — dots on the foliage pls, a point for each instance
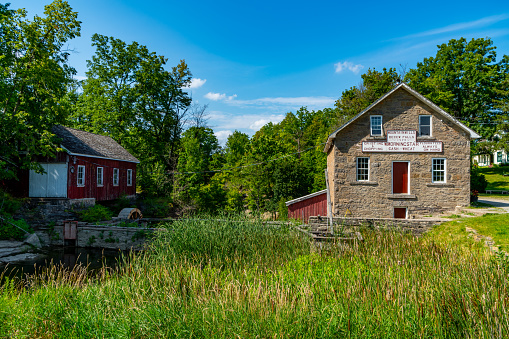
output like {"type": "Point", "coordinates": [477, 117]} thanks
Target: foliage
{"type": "Point", "coordinates": [34, 77]}
{"type": "Point", "coordinates": [8, 204]}
{"type": "Point", "coordinates": [130, 96]}
{"type": "Point", "coordinates": [155, 207]}
{"type": "Point", "coordinates": [478, 181]}
{"type": "Point", "coordinates": [96, 213]}
{"type": "Point", "coordinates": [495, 177]}
{"type": "Point", "coordinates": [466, 81]}
{"type": "Point", "coordinates": [13, 229]}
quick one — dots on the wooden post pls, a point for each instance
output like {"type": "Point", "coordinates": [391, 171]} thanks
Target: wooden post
{"type": "Point", "coordinates": [329, 205]}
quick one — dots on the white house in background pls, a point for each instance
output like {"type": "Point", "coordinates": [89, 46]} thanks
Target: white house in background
{"type": "Point", "coordinates": [494, 158]}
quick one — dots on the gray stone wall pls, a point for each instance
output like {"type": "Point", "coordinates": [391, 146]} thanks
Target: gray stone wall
{"type": "Point", "coordinates": [400, 111]}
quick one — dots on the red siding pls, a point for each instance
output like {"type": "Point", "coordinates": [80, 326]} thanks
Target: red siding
{"type": "Point", "coordinates": [91, 190]}
{"type": "Point", "coordinates": [313, 206]}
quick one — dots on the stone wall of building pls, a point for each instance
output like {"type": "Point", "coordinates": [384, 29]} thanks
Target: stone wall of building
{"type": "Point", "coordinates": [374, 198]}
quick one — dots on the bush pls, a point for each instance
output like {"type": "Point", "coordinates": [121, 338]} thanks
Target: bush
{"type": "Point", "coordinates": [155, 207]}
{"type": "Point", "coordinates": [8, 204]}
{"type": "Point", "coordinates": [478, 181]}
{"type": "Point", "coordinates": [9, 231]}
{"type": "Point", "coordinates": [96, 213]}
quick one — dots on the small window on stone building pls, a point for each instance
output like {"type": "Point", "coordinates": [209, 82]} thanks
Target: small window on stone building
{"type": "Point", "coordinates": [80, 179]}
{"type": "Point", "coordinates": [115, 177]}
{"type": "Point", "coordinates": [425, 125]}
{"type": "Point", "coordinates": [99, 176]}
{"type": "Point", "coordinates": [362, 169]}
{"type": "Point", "coordinates": [376, 125]}
{"type": "Point", "coordinates": [438, 170]}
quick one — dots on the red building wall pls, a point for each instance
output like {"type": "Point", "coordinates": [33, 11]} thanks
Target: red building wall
{"type": "Point", "coordinates": [90, 190]}
{"type": "Point", "coordinates": [312, 206]}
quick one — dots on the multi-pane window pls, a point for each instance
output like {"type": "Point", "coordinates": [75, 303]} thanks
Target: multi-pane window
{"type": "Point", "coordinates": [362, 169]}
{"type": "Point", "coordinates": [499, 157]}
{"type": "Point", "coordinates": [129, 177]}
{"type": "Point", "coordinates": [99, 176]}
{"type": "Point", "coordinates": [438, 170]}
{"type": "Point", "coordinates": [115, 177]}
{"type": "Point", "coordinates": [81, 176]}
{"type": "Point", "coordinates": [425, 125]}
{"type": "Point", "coordinates": [376, 125]}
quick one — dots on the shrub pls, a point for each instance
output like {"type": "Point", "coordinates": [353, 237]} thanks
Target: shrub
{"type": "Point", "coordinates": [478, 181]}
{"type": "Point", "coordinates": [13, 229]}
{"type": "Point", "coordinates": [8, 204]}
{"type": "Point", "coordinates": [96, 213]}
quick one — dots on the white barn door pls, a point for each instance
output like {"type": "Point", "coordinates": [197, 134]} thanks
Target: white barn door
{"type": "Point", "coordinates": [52, 184]}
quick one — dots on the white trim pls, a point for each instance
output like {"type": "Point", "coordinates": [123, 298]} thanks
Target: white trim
{"type": "Point", "coordinates": [102, 176]}
{"type": "Point", "coordinates": [118, 176]}
{"type": "Point", "coordinates": [96, 156]}
{"type": "Point", "coordinates": [129, 177]}
{"type": "Point", "coordinates": [332, 136]}
{"type": "Point", "coordinates": [408, 176]}
{"type": "Point", "coordinates": [357, 169]}
{"type": "Point", "coordinates": [78, 176]}
{"type": "Point", "coordinates": [291, 202]}
{"type": "Point", "coordinates": [430, 124]}
{"type": "Point", "coordinates": [445, 171]}
{"type": "Point", "coordinates": [371, 125]}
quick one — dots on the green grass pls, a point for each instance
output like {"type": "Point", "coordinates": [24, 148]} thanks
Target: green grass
{"type": "Point", "coordinates": [495, 177]}
{"type": "Point", "coordinates": [239, 278]}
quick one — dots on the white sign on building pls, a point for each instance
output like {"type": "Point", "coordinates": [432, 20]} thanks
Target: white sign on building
{"type": "Point", "coordinates": [402, 141]}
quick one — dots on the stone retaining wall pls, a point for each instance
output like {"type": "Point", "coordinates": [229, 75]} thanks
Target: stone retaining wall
{"type": "Point", "coordinates": [415, 226]}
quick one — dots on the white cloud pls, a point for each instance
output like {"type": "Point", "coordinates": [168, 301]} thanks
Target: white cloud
{"type": "Point", "coordinates": [197, 83]}
{"type": "Point", "coordinates": [219, 96]}
{"type": "Point", "coordinates": [222, 136]}
{"type": "Point", "coordinates": [460, 26]}
{"type": "Point", "coordinates": [347, 65]}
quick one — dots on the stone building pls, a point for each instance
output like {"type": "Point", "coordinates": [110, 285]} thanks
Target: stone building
{"type": "Point", "coordinates": [402, 157]}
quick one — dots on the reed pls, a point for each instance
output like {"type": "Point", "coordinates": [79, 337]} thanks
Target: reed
{"type": "Point", "coordinates": [239, 278]}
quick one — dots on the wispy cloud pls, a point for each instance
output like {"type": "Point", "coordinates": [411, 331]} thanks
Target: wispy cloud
{"type": "Point", "coordinates": [197, 83]}
{"type": "Point", "coordinates": [347, 65]}
{"type": "Point", "coordinates": [490, 20]}
{"type": "Point", "coordinates": [219, 96]}
{"type": "Point", "coordinates": [222, 136]}
{"type": "Point", "coordinates": [248, 123]}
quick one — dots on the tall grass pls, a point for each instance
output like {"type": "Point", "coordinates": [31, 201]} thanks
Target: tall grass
{"type": "Point", "coordinates": [239, 278]}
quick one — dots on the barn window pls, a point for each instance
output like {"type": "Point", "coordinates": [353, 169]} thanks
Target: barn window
{"type": "Point", "coordinates": [115, 177]}
{"type": "Point", "coordinates": [425, 125]}
{"type": "Point", "coordinates": [438, 170]}
{"type": "Point", "coordinates": [99, 176]}
{"type": "Point", "coordinates": [362, 169]}
{"type": "Point", "coordinates": [129, 177]}
{"type": "Point", "coordinates": [376, 125]}
{"type": "Point", "coordinates": [81, 176]}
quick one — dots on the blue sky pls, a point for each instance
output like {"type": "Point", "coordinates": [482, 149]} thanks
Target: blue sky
{"type": "Point", "coordinates": [254, 61]}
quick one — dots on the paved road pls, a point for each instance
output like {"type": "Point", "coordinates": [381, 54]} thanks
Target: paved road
{"type": "Point", "coordinates": [497, 202]}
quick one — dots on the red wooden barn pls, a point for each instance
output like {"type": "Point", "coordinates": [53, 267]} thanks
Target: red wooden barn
{"type": "Point", "coordinates": [92, 166]}
{"type": "Point", "coordinates": [309, 205]}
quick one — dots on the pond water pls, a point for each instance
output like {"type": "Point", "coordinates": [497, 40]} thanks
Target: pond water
{"type": "Point", "coordinates": [68, 257]}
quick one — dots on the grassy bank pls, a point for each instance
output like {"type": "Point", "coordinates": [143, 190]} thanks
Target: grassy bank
{"type": "Point", "coordinates": [243, 279]}
{"type": "Point", "coordinates": [497, 177]}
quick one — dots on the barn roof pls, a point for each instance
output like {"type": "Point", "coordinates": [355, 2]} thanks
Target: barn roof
{"type": "Point", "coordinates": [291, 202]}
{"type": "Point", "coordinates": [473, 134]}
{"type": "Point", "coordinates": [82, 143]}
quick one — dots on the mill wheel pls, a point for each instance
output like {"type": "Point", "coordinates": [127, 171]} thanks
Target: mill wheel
{"type": "Point", "coordinates": [130, 213]}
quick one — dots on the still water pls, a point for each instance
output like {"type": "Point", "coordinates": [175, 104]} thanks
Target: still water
{"type": "Point", "coordinates": [68, 257]}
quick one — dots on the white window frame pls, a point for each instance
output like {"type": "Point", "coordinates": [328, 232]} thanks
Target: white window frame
{"type": "Point", "coordinates": [116, 176]}
{"type": "Point", "coordinates": [430, 125]}
{"type": "Point", "coordinates": [358, 174]}
{"type": "Point", "coordinates": [129, 177]}
{"type": "Point", "coordinates": [100, 176]}
{"type": "Point", "coordinates": [80, 180]}
{"type": "Point", "coordinates": [433, 170]}
{"type": "Point", "coordinates": [371, 125]}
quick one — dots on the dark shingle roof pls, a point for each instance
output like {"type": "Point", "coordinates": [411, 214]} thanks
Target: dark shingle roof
{"type": "Point", "coordinates": [81, 142]}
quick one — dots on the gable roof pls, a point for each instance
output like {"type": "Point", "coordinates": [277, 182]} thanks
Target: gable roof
{"type": "Point", "coordinates": [77, 142]}
{"type": "Point", "coordinates": [473, 134]}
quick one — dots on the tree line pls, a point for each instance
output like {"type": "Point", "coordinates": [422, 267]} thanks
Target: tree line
{"type": "Point", "coordinates": [133, 95]}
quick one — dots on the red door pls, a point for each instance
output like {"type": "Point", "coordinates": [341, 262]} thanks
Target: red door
{"type": "Point", "coordinates": [400, 212]}
{"type": "Point", "coordinates": [400, 177]}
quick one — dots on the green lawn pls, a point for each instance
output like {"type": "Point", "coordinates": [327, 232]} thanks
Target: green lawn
{"type": "Point", "coordinates": [496, 178]}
